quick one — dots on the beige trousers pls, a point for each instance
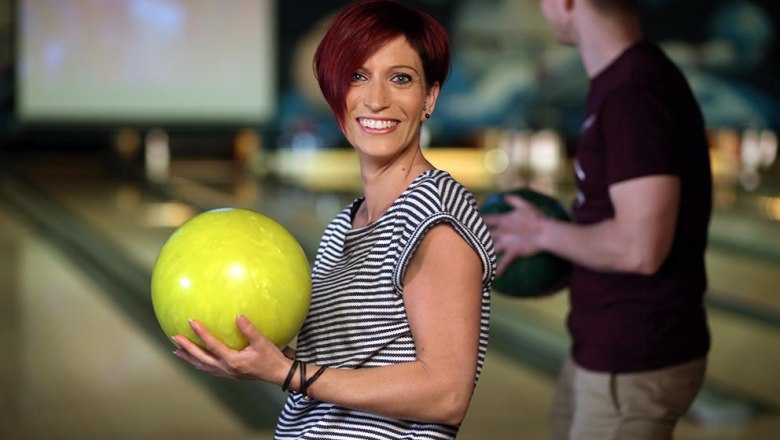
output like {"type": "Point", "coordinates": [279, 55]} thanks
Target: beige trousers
{"type": "Point", "coordinates": [590, 405]}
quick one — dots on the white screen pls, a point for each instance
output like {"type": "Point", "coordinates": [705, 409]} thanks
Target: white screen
{"type": "Point", "coordinates": [146, 61]}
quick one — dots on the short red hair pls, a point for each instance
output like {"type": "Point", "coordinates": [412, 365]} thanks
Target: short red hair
{"type": "Point", "coordinates": [360, 30]}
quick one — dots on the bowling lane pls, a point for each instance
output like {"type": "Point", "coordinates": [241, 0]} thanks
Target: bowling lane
{"type": "Point", "coordinates": [124, 212]}
{"type": "Point", "coordinates": [75, 366]}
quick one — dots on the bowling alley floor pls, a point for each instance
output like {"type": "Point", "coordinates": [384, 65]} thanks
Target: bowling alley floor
{"type": "Point", "coordinates": [83, 358]}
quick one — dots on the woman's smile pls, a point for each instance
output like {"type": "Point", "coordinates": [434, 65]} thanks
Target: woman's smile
{"type": "Point", "coordinates": [377, 125]}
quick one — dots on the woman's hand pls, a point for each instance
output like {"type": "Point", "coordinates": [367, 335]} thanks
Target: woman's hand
{"type": "Point", "coordinates": [260, 360]}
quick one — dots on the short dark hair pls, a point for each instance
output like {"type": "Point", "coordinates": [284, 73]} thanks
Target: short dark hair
{"type": "Point", "coordinates": [613, 5]}
{"type": "Point", "coordinates": [365, 26]}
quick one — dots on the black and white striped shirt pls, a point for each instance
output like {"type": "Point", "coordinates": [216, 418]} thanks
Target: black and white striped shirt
{"type": "Point", "coordinates": [357, 317]}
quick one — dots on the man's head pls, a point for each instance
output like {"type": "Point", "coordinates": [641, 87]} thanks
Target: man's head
{"type": "Point", "coordinates": [573, 19]}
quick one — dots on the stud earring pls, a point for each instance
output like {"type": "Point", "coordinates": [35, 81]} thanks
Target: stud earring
{"type": "Point", "coordinates": [425, 109]}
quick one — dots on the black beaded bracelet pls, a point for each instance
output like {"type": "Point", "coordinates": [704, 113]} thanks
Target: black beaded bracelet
{"type": "Point", "coordinates": [314, 377]}
{"type": "Point", "coordinates": [303, 379]}
{"type": "Point", "coordinates": [290, 375]}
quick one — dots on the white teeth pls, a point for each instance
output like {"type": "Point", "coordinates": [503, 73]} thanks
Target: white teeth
{"type": "Point", "coordinates": [377, 124]}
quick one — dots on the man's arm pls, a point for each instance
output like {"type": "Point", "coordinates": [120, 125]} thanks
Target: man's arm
{"type": "Point", "coordinates": [637, 239]}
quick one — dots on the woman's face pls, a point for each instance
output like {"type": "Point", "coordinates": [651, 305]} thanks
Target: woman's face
{"type": "Point", "coordinates": [385, 102]}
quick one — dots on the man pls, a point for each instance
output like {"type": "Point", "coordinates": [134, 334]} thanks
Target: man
{"type": "Point", "coordinates": [637, 319]}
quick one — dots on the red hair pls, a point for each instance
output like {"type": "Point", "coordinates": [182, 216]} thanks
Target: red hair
{"type": "Point", "coordinates": [365, 26]}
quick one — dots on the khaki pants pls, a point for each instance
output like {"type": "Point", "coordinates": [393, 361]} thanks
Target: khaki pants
{"type": "Point", "coordinates": [590, 405]}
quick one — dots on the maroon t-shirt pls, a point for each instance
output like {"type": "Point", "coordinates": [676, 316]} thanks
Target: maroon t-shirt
{"type": "Point", "coordinates": [642, 119]}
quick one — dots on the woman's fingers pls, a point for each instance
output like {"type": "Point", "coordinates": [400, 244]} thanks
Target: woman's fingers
{"type": "Point", "coordinates": [250, 332]}
{"type": "Point", "coordinates": [213, 344]}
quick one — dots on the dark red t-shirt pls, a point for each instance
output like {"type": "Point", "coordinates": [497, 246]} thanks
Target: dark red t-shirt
{"type": "Point", "coordinates": [642, 119]}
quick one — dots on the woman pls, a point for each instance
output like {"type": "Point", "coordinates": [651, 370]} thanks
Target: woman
{"type": "Point", "coordinates": [397, 329]}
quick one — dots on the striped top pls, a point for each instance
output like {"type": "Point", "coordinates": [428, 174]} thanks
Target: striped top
{"type": "Point", "coordinates": [357, 317]}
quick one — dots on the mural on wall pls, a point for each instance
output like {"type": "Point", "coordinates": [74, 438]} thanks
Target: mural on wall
{"type": "Point", "coordinates": [509, 72]}
{"type": "Point", "coordinates": [739, 37]}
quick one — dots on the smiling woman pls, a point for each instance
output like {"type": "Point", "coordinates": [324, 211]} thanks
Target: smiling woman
{"type": "Point", "coordinates": [365, 26]}
{"type": "Point", "coordinates": [397, 328]}
{"type": "Point", "coordinates": [387, 101]}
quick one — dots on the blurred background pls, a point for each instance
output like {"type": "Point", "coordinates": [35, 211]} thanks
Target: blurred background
{"type": "Point", "coordinates": [121, 119]}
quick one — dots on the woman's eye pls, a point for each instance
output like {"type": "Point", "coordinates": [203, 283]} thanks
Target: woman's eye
{"type": "Point", "coordinates": [402, 78]}
{"type": "Point", "coordinates": [358, 77]}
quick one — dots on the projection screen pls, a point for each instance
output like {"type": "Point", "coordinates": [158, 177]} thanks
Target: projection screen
{"type": "Point", "coordinates": [125, 61]}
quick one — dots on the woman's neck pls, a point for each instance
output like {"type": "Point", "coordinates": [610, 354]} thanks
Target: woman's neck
{"type": "Point", "coordinates": [383, 184]}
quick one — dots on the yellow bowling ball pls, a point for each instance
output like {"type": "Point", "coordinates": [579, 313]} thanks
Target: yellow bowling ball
{"type": "Point", "coordinates": [226, 262]}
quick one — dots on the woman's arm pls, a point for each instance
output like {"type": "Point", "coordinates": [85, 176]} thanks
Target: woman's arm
{"type": "Point", "coordinates": [442, 292]}
{"type": "Point", "coordinates": [443, 297]}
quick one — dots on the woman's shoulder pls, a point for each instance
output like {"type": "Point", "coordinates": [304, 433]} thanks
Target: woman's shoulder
{"type": "Point", "coordinates": [441, 191]}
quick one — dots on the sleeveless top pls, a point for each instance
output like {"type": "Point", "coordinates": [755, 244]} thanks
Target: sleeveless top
{"type": "Point", "coordinates": [357, 317]}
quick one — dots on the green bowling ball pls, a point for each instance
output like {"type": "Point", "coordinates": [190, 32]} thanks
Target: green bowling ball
{"type": "Point", "coordinates": [538, 275]}
{"type": "Point", "coordinates": [226, 262]}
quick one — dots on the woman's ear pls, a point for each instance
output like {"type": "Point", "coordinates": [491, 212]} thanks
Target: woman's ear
{"type": "Point", "coordinates": [430, 101]}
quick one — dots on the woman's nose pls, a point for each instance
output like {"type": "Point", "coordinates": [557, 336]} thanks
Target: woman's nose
{"type": "Point", "coordinates": [377, 96]}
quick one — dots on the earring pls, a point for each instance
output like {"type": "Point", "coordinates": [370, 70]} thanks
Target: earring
{"type": "Point", "coordinates": [425, 109]}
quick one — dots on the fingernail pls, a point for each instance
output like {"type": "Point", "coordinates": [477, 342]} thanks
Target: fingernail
{"type": "Point", "coordinates": [241, 319]}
